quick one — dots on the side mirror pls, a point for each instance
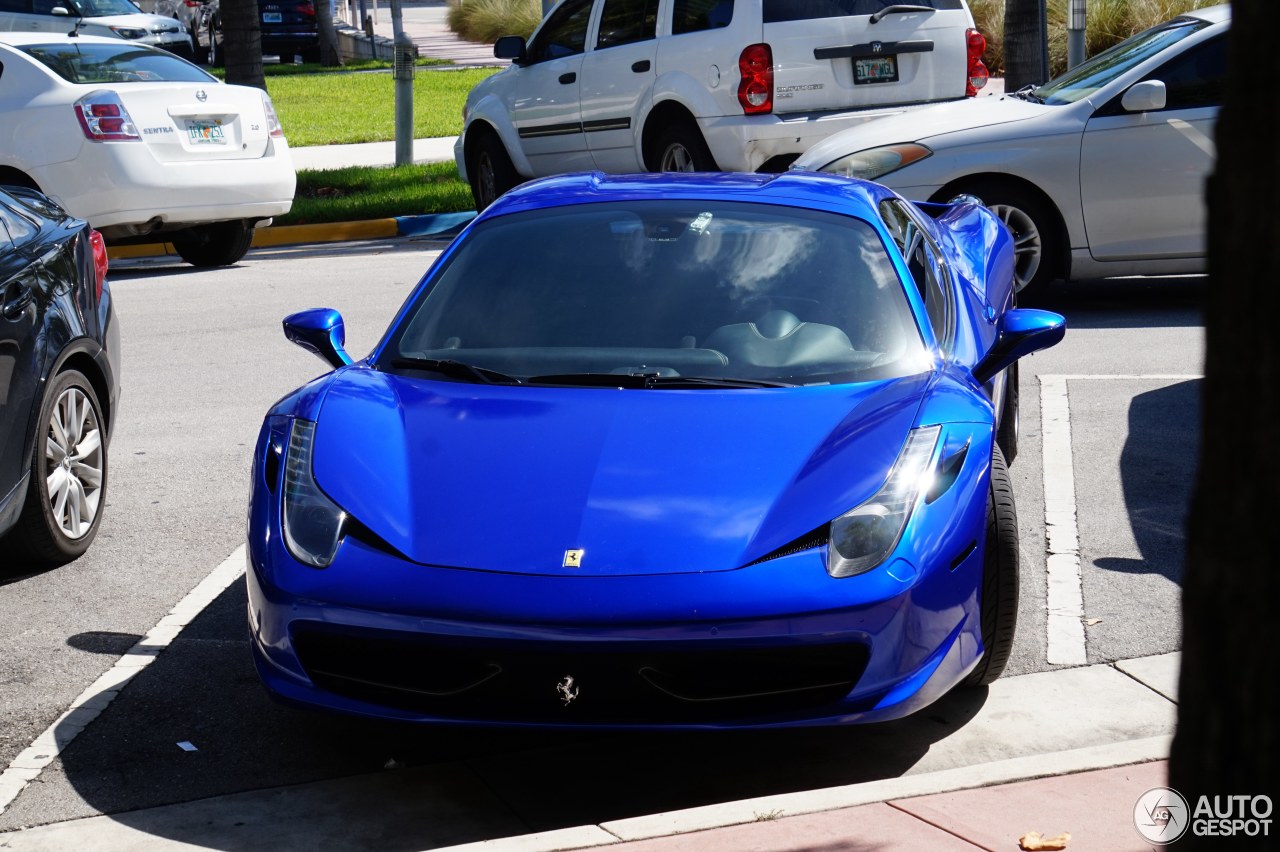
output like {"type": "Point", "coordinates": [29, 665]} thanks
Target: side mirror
{"type": "Point", "coordinates": [319, 330]}
{"type": "Point", "coordinates": [510, 47]}
{"type": "Point", "coordinates": [1021, 332]}
{"type": "Point", "coordinates": [60, 11]}
{"type": "Point", "coordinates": [1145, 96]}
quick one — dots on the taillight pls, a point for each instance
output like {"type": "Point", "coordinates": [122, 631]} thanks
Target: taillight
{"type": "Point", "coordinates": [978, 73]}
{"type": "Point", "coordinates": [100, 262]}
{"type": "Point", "coordinates": [307, 10]}
{"type": "Point", "coordinates": [273, 120]}
{"type": "Point", "coordinates": [103, 118]}
{"type": "Point", "coordinates": [755, 92]}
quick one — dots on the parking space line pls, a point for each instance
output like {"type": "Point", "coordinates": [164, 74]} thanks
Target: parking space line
{"type": "Point", "coordinates": [84, 709]}
{"type": "Point", "coordinates": [1064, 602]}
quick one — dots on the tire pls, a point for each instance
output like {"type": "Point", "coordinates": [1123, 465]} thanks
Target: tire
{"type": "Point", "coordinates": [312, 55]}
{"type": "Point", "coordinates": [998, 598]}
{"type": "Point", "coordinates": [1036, 233]}
{"type": "Point", "coordinates": [1007, 434]}
{"type": "Point", "coordinates": [681, 148]}
{"type": "Point", "coordinates": [490, 170]}
{"type": "Point", "coordinates": [68, 487]}
{"type": "Point", "coordinates": [214, 53]}
{"type": "Point", "coordinates": [219, 244]}
{"type": "Point", "coordinates": [199, 55]}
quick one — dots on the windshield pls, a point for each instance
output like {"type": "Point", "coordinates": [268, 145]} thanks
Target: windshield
{"type": "Point", "coordinates": [92, 62]}
{"type": "Point", "coordinates": [99, 8]}
{"type": "Point", "coordinates": [776, 11]}
{"type": "Point", "coordinates": [1087, 77]}
{"type": "Point", "coordinates": [665, 288]}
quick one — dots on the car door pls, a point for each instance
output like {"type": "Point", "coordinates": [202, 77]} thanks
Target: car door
{"type": "Point", "coordinates": [544, 102]}
{"type": "Point", "coordinates": [1142, 174]}
{"type": "Point", "coordinates": [19, 343]}
{"type": "Point", "coordinates": [617, 81]}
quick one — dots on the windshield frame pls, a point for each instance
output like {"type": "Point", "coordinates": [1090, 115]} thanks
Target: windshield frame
{"type": "Point", "coordinates": [1101, 70]}
{"type": "Point", "coordinates": [914, 338]}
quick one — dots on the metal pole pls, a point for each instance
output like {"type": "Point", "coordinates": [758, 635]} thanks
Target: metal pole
{"type": "Point", "coordinates": [1076, 21]}
{"type": "Point", "coordinates": [403, 75]}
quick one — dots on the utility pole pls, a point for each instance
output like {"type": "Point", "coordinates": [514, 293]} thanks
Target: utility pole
{"type": "Point", "coordinates": [1076, 21]}
{"type": "Point", "coordinates": [403, 76]}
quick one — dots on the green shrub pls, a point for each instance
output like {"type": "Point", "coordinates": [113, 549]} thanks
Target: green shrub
{"type": "Point", "coordinates": [1109, 22]}
{"type": "Point", "coordinates": [486, 20]}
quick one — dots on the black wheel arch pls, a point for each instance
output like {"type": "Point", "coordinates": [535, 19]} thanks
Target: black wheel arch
{"type": "Point", "coordinates": [663, 115]}
{"type": "Point", "coordinates": [16, 177]}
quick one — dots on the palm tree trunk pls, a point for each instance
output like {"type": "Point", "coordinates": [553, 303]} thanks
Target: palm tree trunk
{"type": "Point", "coordinates": [1024, 43]}
{"type": "Point", "coordinates": [242, 42]}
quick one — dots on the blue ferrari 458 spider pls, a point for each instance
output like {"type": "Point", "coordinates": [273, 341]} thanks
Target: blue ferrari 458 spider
{"type": "Point", "coordinates": [657, 451]}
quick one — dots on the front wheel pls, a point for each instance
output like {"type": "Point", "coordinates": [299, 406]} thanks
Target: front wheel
{"type": "Point", "coordinates": [219, 244]}
{"type": "Point", "coordinates": [491, 171]}
{"type": "Point", "coordinates": [681, 148]}
{"type": "Point", "coordinates": [998, 597]}
{"type": "Point", "coordinates": [68, 484]}
{"type": "Point", "coordinates": [1037, 240]}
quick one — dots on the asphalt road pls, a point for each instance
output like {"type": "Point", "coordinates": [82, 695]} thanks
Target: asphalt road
{"type": "Point", "coordinates": [204, 358]}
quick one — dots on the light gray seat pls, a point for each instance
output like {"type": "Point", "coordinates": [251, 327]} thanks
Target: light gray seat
{"type": "Point", "coordinates": [780, 339]}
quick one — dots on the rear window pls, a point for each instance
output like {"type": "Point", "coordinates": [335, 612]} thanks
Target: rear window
{"type": "Point", "coordinates": [87, 62]}
{"type": "Point", "coordinates": [776, 11]}
{"type": "Point", "coordinates": [692, 16]}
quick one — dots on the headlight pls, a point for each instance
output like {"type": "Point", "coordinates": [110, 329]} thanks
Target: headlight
{"type": "Point", "coordinates": [129, 32]}
{"type": "Point", "coordinates": [313, 524]}
{"type": "Point", "coordinates": [862, 538]}
{"type": "Point", "coordinates": [876, 162]}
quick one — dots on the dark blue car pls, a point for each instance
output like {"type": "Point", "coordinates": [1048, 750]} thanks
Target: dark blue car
{"type": "Point", "coordinates": [656, 451]}
{"type": "Point", "coordinates": [59, 381]}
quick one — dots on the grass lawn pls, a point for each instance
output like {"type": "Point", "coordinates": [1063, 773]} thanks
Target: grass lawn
{"type": "Point", "coordinates": [336, 108]}
{"type": "Point", "coordinates": [362, 192]}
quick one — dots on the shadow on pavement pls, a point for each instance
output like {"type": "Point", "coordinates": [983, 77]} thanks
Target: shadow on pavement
{"type": "Point", "coordinates": [452, 785]}
{"type": "Point", "coordinates": [1157, 471]}
{"type": "Point", "coordinates": [1171, 302]}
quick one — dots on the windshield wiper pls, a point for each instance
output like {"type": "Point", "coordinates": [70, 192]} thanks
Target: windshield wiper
{"type": "Point", "coordinates": [1028, 93]}
{"type": "Point", "coordinates": [899, 8]}
{"type": "Point", "coordinates": [456, 369]}
{"type": "Point", "coordinates": [651, 380]}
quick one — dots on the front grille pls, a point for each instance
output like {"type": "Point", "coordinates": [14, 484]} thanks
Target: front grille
{"type": "Point", "coordinates": [653, 683]}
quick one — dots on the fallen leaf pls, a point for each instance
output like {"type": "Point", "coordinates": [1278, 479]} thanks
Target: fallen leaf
{"type": "Point", "coordinates": [1036, 842]}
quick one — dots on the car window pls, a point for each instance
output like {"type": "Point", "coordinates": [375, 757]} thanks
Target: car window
{"type": "Point", "coordinates": [564, 34]}
{"type": "Point", "coordinates": [97, 8]}
{"type": "Point", "coordinates": [804, 10]}
{"type": "Point", "coordinates": [924, 262]}
{"type": "Point", "coordinates": [691, 16]}
{"type": "Point", "coordinates": [18, 229]}
{"type": "Point", "coordinates": [92, 62]}
{"type": "Point", "coordinates": [1097, 71]}
{"type": "Point", "coordinates": [627, 21]}
{"type": "Point", "coordinates": [1197, 78]}
{"type": "Point", "coordinates": [676, 287]}
{"type": "Point", "coordinates": [22, 7]}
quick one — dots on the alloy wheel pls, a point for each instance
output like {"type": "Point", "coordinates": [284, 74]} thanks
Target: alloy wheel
{"type": "Point", "coordinates": [1028, 246]}
{"type": "Point", "coordinates": [676, 158]}
{"type": "Point", "coordinates": [74, 463]}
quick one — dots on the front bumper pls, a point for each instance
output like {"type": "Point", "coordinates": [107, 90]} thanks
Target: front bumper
{"type": "Point", "coordinates": [743, 143]}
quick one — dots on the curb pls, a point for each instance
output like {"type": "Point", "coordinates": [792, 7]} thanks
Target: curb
{"type": "Point", "coordinates": [428, 225]}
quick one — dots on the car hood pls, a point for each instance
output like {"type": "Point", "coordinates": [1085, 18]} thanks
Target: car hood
{"type": "Point", "coordinates": [142, 20]}
{"type": "Point", "coordinates": [921, 125]}
{"type": "Point", "coordinates": [509, 478]}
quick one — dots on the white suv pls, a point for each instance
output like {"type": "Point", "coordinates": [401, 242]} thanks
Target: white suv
{"type": "Point", "coordinates": [702, 85]}
{"type": "Point", "coordinates": [109, 18]}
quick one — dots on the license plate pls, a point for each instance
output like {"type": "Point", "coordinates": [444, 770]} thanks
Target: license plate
{"type": "Point", "coordinates": [877, 69]}
{"type": "Point", "coordinates": [205, 132]}
{"type": "Point", "coordinates": [271, 18]}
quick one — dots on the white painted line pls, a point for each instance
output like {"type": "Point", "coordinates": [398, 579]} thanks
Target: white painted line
{"type": "Point", "coordinates": [1064, 603]}
{"type": "Point", "coordinates": [1065, 599]}
{"type": "Point", "coordinates": [84, 709]}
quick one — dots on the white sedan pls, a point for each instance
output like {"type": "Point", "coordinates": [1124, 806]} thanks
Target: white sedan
{"type": "Point", "coordinates": [145, 146]}
{"type": "Point", "coordinates": [1098, 173]}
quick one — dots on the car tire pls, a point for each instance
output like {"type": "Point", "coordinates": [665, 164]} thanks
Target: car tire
{"type": "Point", "coordinates": [51, 529]}
{"type": "Point", "coordinates": [219, 244]}
{"type": "Point", "coordinates": [1036, 236]}
{"type": "Point", "coordinates": [214, 52]}
{"type": "Point", "coordinates": [490, 170]}
{"type": "Point", "coordinates": [998, 597]}
{"type": "Point", "coordinates": [312, 55]}
{"type": "Point", "coordinates": [1007, 434]}
{"type": "Point", "coordinates": [199, 54]}
{"type": "Point", "coordinates": [681, 148]}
